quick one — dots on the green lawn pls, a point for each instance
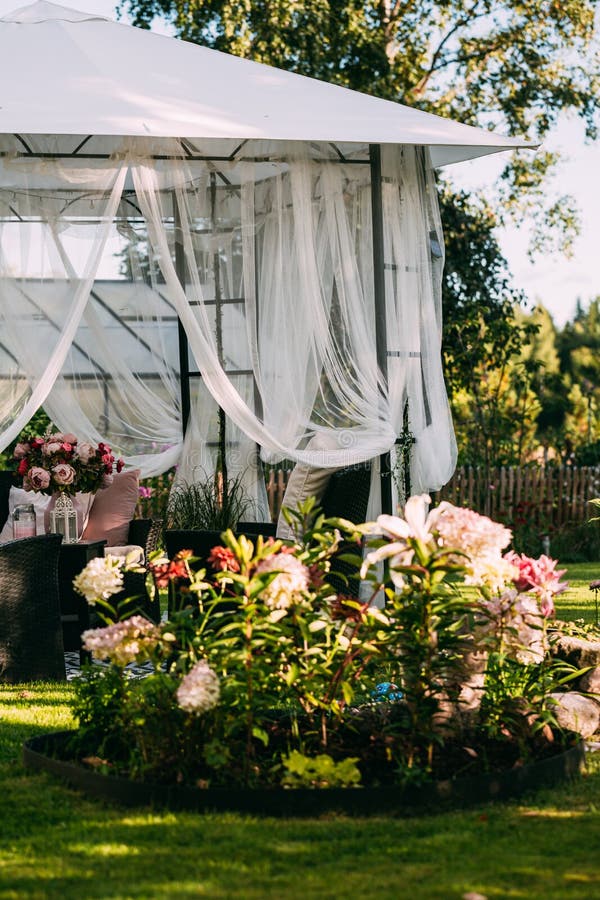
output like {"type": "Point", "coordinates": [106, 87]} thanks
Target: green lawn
{"type": "Point", "coordinates": [57, 844]}
{"type": "Point", "coordinates": [578, 601]}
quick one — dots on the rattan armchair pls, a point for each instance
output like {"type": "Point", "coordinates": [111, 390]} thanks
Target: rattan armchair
{"type": "Point", "coordinates": [31, 644]}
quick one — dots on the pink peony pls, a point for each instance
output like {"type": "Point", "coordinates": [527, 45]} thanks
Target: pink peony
{"type": "Point", "coordinates": [85, 452]}
{"type": "Point", "coordinates": [51, 447]}
{"type": "Point", "coordinates": [70, 438]}
{"type": "Point", "coordinates": [64, 474]}
{"type": "Point", "coordinates": [38, 478]}
{"type": "Point", "coordinates": [21, 450]}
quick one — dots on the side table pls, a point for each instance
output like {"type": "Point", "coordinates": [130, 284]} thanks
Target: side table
{"type": "Point", "coordinates": [74, 610]}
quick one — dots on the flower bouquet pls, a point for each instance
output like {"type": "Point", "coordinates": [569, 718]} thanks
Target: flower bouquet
{"type": "Point", "coordinates": [60, 463]}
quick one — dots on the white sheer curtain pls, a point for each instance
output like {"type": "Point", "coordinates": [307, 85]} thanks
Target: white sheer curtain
{"type": "Point", "coordinates": [100, 353]}
{"type": "Point", "coordinates": [267, 261]}
{"type": "Point", "coordinates": [36, 201]}
{"type": "Point", "coordinates": [414, 265]}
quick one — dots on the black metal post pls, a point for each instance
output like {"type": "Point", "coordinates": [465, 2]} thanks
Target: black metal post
{"type": "Point", "coordinates": [385, 473]}
{"type": "Point", "coordinates": [184, 358]}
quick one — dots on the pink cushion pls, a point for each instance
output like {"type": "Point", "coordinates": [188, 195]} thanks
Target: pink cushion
{"type": "Point", "coordinates": [113, 510]}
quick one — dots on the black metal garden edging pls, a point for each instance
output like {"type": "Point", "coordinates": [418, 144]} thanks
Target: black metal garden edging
{"type": "Point", "coordinates": [40, 754]}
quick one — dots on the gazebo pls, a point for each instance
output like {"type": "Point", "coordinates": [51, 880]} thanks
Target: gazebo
{"type": "Point", "coordinates": [186, 235]}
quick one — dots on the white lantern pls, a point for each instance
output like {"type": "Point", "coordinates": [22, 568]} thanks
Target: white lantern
{"type": "Point", "coordinates": [63, 519]}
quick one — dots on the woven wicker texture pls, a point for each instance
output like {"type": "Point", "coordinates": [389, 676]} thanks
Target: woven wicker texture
{"type": "Point", "coordinates": [347, 497]}
{"type": "Point", "coordinates": [143, 533]}
{"type": "Point", "coordinates": [31, 645]}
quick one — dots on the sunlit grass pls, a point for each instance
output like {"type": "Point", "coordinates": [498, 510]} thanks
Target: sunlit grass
{"type": "Point", "coordinates": [578, 602]}
{"type": "Point", "coordinates": [58, 844]}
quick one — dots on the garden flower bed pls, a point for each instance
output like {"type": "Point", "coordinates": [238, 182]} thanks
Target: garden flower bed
{"type": "Point", "coordinates": [266, 682]}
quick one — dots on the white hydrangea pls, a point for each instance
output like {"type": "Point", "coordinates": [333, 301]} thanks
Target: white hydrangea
{"type": "Point", "coordinates": [199, 690]}
{"type": "Point", "coordinates": [289, 585]}
{"type": "Point", "coordinates": [123, 642]}
{"type": "Point", "coordinates": [101, 578]}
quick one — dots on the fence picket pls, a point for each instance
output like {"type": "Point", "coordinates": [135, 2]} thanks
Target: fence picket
{"type": "Point", "coordinates": [552, 495]}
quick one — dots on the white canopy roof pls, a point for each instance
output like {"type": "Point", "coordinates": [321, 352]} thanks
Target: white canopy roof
{"type": "Point", "coordinates": [65, 72]}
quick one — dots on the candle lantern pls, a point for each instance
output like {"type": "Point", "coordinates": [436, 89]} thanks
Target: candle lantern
{"type": "Point", "coordinates": [63, 519]}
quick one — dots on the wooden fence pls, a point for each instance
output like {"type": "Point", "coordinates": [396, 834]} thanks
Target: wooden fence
{"type": "Point", "coordinates": [276, 484]}
{"type": "Point", "coordinates": [548, 497]}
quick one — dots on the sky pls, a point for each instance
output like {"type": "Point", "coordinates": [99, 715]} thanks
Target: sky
{"type": "Point", "coordinates": [555, 281]}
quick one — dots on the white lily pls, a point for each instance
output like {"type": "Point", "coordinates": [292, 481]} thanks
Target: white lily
{"type": "Point", "coordinates": [417, 521]}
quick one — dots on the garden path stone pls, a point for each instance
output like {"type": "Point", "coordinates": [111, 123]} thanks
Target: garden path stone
{"type": "Point", "coordinates": [577, 713]}
{"type": "Point", "coordinates": [581, 652]}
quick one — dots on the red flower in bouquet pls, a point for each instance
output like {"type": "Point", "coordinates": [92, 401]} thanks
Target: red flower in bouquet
{"type": "Point", "coordinates": [59, 462]}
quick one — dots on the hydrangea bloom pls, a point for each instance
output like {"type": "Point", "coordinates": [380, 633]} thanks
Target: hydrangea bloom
{"type": "Point", "coordinates": [101, 578]}
{"type": "Point", "coordinates": [199, 690]}
{"type": "Point", "coordinates": [289, 585]}
{"type": "Point", "coordinates": [480, 539]}
{"type": "Point", "coordinates": [123, 642]}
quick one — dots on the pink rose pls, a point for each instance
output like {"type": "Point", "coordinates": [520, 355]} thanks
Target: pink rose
{"type": "Point", "coordinates": [63, 473]}
{"type": "Point", "coordinates": [21, 450]}
{"type": "Point", "coordinates": [38, 478]}
{"type": "Point", "coordinates": [70, 438]}
{"type": "Point", "coordinates": [66, 447]}
{"type": "Point", "coordinates": [38, 442]}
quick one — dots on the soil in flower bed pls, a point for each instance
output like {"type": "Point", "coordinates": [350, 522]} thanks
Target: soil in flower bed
{"type": "Point", "coordinates": [376, 735]}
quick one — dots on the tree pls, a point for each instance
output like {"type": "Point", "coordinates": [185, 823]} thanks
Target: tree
{"type": "Point", "coordinates": [513, 65]}
{"type": "Point", "coordinates": [488, 379]}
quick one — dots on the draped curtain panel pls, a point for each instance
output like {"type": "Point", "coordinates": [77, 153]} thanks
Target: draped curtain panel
{"type": "Point", "coordinates": [266, 259]}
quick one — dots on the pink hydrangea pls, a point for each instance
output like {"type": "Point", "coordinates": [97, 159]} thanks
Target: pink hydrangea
{"type": "Point", "coordinates": [468, 531]}
{"type": "Point", "coordinates": [480, 540]}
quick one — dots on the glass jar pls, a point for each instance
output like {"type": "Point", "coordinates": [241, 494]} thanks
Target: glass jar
{"type": "Point", "coordinates": [24, 523]}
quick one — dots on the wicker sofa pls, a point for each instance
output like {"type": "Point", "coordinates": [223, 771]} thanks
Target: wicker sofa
{"type": "Point", "coordinates": [142, 532]}
{"type": "Point", "coordinates": [31, 644]}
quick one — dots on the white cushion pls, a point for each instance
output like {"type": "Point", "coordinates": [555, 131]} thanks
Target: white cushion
{"type": "Point", "coordinates": [125, 551]}
{"type": "Point", "coordinates": [304, 482]}
{"type": "Point", "coordinates": [17, 496]}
